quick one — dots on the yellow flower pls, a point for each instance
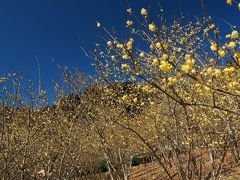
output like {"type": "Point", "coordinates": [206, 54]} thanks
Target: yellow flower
{"type": "Point", "coordinates": [232, 45]}
{"type": "Point", "coordinates": [135, 100]}
{"type": "Point", "coordinates": [229, 70]}
{"type": "Point", "coordinates": [212, 60]}
{"type": "Point", "coordinates": [186, 68]}
{"type": "Point", "coordinates": [171, 81]}
{"type": "Point", "coordinates": [190, 62]}
{"type": "Point", "coordinates": [129, 23]}
{"type": "Point", "coordinates": [210, 70]}
{"type": "Point", "coordinates": [113, 57]}
{"type": "Point", "coordinates": [217, 72]}
{"type": "Point", "coordinates": [229, 2]}
{"type": "Point", "coordinates": [165, 57]}
{"type": "Point", "coordinates": [179, 75]}
{"type": "Point", "coordinates": [120, 46]}
{"type": "Point", "coordinates": [158, 44]}
{"type": "Point", "coordinates": [214, 47]}
{"type": "Point", "coordinates": [212, 26]}
{"type": "Point", "coordinates": [239, 6]}
{"type": "Point", "coordinates": [129, 45]}
{"type": "Point", "coordinates": [142, 55]}
{"type": "Point", "coordinates": [125, 98]}
{"type": "Point", "coordinates": [208, 89]}
{"type": "Point", "coordinates": [222, 53]}
{"type": "Point", "coordinates": [228, 36]}
{"type": "Point", "coordinates": [143, 12]}
{"type": "Point", "coordinates": [234, 35]}
{"type": "Point", "coordinates": [129, 10]}
{"type": "Point", "coordinates": [126, 66]}
{"type": "Point", "coordinates": [109, 43]}
{"type": "Point", "coordinates": [165, 66]}
{"type": "Point", "coordinates": [152, 27]}
{"type": "Point", "coordinates": [188, 56]}
{"type": "Point", "coordinates": [233, 85]}
{"type": "Point", "coordinates": [237, 55]}
{"type": "Point", "coordinates": [155, 62]}
{"type": "Point", "coordinates": [126, 56]}
{"type": "Point", "coordinates": [152, 47]}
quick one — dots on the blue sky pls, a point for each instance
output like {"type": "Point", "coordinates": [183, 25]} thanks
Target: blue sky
{"type": "Point", "coordinates": [48, 29]}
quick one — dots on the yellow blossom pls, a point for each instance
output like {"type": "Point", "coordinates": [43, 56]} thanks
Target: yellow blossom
{"type": "Point", "coordinates": [217, 72]}
{"type": "Point", "coordinates": [233, 85]}
{"type": "Point", "coordinates": [152, 47]}
{"type": "Point", "coordinates": [179, 49]}
{"type": "Point", "coordinates": [155, 62]}
{"type": "Point", "coordinates": [237, 55]}
{"type": "Point", "coordinates": [232, 45]}
{"type": "Point", "coordinates": [229, 70]}
{"type": "Point", "coordinates": [129, 45]}
{"type": "Point", "coordinates": [212, 60]}
{"type": "Point", "coordinates": [142, 55]}
{"type": "Point", "coordinates": [171, 81]}
{"type": "Point", "coordinates": [143, 12]}
{"type": "Point", "coordinates": [208, 89]}
{"type": "Point", "coordinates": [109, 43]}
{"type": "Point", "coordinates": [210, 70]}
{"type": "Point", "coordinates": [212, 26]}
{"type": "Point", "coordinates": [229, 2]}
{"type": "Point", "coordinates": [129, 10]}
{"type": "Point", "coordinates": [214, 47]}
{"type": "Point", "coordinates": [152, 27]}
{"type": "Point", "coordinates": [165, 57]}
{"type": "Point", "coordinates": [188, 56]}
{"type": "Point", "coordinates": [120, 46]}
{"type": "Point", "coordinates": [126, 66]}
{"type": "Point", "coordinates": [222, 52]}
{"type": "Point", "coordinates": [125, 98]}
{"type": "Point", "coordinates": [129, 23]}
{"type": "Point", "coordinates": [113, 57]}
{"type": "Point", "coordinates": [186, 68]}
{"type": "Point", "coordinates": [190, 62]}
{"type": "Point", "coordinates": [179, 75]}
{"type": "Point", "coordinates": [234, 35]}
{"type": "Point", "coordinates": [135, 100]}
{"type": "Point", "coordinates": [228, 36]}
{"type": "Point", "coordinates": [158, 44]}
{"type": "Point", "coordinates": [165, 66]}
{"type": "Point", "coordinates": [126, 56]}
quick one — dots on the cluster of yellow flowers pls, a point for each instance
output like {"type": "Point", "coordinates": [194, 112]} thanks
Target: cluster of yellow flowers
{"type": "Point", "coordinates": [129, 23]}
{"type": "Point", "coordinates": [214, 47]}
{"type": "Point", "coordinates": [152, 27]}
{"type": "Point", "coordinates": [144, 12]}
{"type": "Point", "coordinates": [228, 70]}
{"type": "Point", "coordinates": [230, 2]}
{"type": "Point", "coordinates": [126, 67]}
{"type": "Point", "coordinates": [188, 67]}
{"type": "Point", "coordinates": [171, 81]}
{"type": "Point", "coordinates": [165, 66]}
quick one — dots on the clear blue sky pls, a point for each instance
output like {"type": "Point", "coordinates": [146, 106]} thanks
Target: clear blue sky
{"type": "Point", "coordinates": [48, 28]}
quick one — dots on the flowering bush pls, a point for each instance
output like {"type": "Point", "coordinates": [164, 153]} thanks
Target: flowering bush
{"type": "Point", "coordinates": [169, 91]}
